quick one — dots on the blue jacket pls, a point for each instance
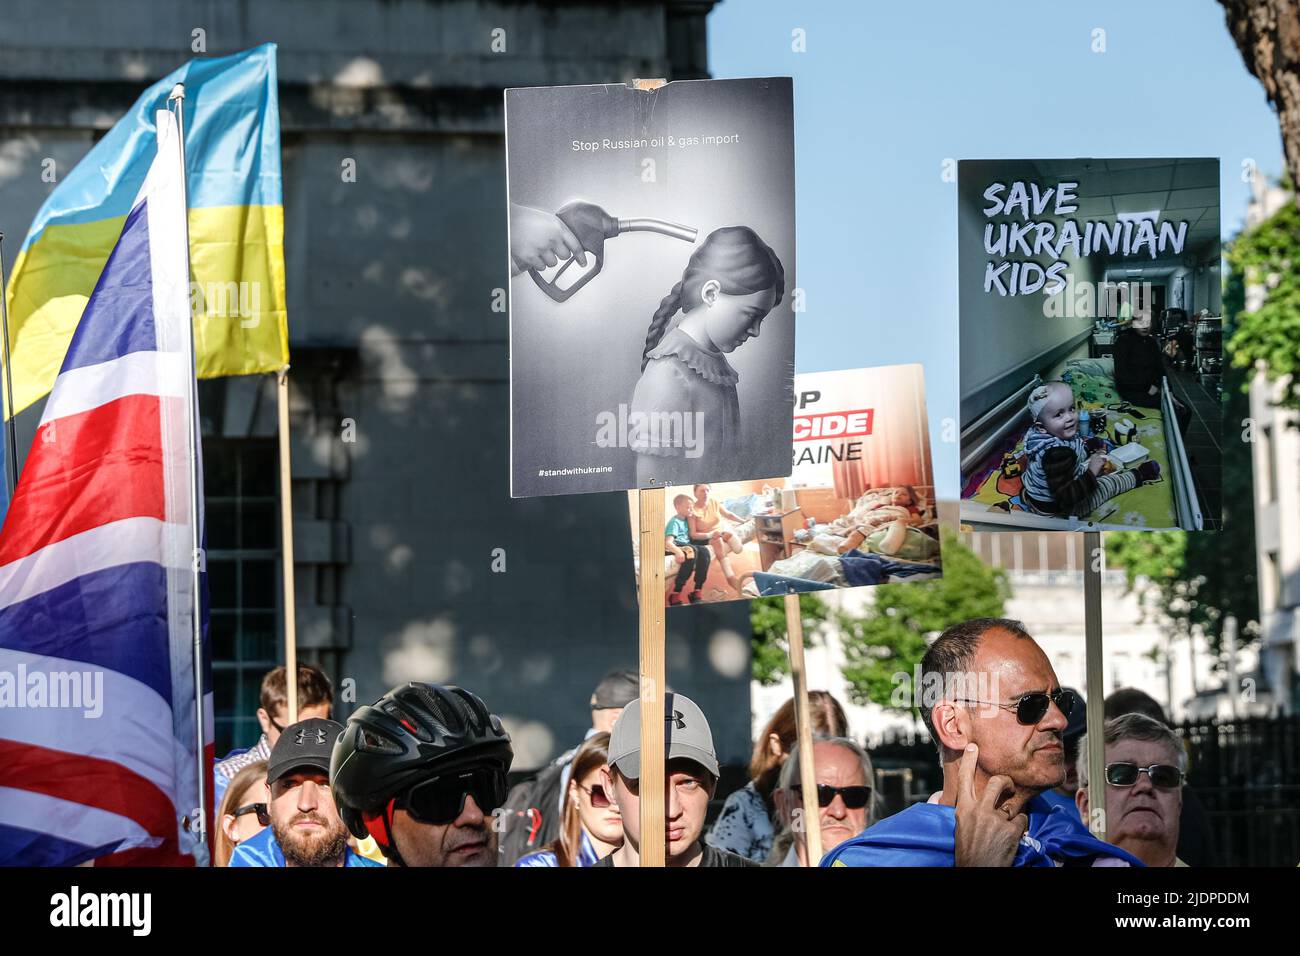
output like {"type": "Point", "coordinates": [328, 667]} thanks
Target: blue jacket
{"type": "Point", "coordinates": [1066, 803]}
{"type": "Point", "coordinates": [586, 855]}
{"type": "Point", "coordinates": [262, 850]}
{"type": "Point", "coordinates": [924, 835]}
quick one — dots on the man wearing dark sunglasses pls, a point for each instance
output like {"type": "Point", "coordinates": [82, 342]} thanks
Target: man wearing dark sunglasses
{"type": "Point", "coordinates": [996, 712]}
{"type": "Point", "coordinates": [303, 828]}
{"type": "Point", "coordinates": [844, 777]}
{"type": "Point", "coordinates": [422, 770]}
{"type": "Point", "coordinates": [1144, 788]}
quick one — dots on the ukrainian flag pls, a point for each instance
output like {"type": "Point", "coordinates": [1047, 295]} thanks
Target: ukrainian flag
{"type": "Point", "coordinates": [236, 219]}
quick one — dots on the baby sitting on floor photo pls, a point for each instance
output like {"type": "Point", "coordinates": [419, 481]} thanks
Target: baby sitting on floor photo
{"type": "Point", "coordinates": [1066, 475]}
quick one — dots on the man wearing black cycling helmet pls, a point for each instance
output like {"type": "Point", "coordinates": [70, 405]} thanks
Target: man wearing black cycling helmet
{"type": "Point", "coordinates": [421, 770]}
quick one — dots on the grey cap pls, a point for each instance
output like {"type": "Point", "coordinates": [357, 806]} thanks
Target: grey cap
{"type": "Point", "coordinates": [686, 735]}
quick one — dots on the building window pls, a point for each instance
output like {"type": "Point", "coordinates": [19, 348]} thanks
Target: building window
{"type": "Point", "coordinates": [243, 580]}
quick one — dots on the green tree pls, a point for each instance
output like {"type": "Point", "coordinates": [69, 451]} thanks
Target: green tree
{"type": "Point", "coordinates": [1266, 258]}
{"type": "Point", "coordinates": [771, 662]}
{"type": "Point", "coordinates": [891, 637]}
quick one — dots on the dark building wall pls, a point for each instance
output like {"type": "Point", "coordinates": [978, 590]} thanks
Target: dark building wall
{"type": "Point", "coordinates": [392, 281]}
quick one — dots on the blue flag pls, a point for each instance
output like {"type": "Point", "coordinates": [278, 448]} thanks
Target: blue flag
{"type": "Point", "coordinates": [925, 835]}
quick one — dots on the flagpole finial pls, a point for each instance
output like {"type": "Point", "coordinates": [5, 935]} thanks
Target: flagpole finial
{"type": "Point", "coordinates": [177, 93]}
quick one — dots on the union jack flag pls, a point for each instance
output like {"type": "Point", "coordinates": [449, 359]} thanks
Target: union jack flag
{"type": "Point", "coordinates": [98, 723]}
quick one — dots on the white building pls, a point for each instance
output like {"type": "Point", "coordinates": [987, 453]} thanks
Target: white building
{"type": "Point", "coordinates": [1046, 578]}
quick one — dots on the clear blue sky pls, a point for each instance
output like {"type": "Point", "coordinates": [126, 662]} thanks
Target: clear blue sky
{"type": "Point", "coordinates": [887, 90]}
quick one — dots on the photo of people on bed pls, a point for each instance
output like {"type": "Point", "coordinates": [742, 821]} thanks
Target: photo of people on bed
{"type": "Point", "coordinates": [857, 510]}
{"type": "Point", "coordinates": [1089, 399]}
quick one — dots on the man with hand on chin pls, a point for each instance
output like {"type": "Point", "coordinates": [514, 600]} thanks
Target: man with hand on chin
{"type": "Point", "coordinates": [996, 712]}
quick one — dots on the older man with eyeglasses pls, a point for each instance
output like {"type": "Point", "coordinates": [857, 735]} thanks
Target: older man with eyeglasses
{"type": "Point", "coordinates": [1144, 788]}
{"type": "Point", "coordinates": [996, 712]}
{"type": "Point", "coordinates": [844, 776]}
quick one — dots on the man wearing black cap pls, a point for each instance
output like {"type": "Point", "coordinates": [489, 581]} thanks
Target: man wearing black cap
{"type": "Point", "coordinates": [305, 826]}
{"type": "Point", "coordinates": [690, 777]}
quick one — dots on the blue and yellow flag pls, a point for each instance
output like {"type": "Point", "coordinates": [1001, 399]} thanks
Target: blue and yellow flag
{"type": "Point", "coordinates": [236, 219]}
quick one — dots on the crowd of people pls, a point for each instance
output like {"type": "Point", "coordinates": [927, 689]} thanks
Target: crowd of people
{"type": "Point", "coordinates": [420, 778]}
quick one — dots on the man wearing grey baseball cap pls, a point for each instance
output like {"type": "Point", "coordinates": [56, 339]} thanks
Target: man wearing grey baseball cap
{"type": "Point", "coordinates": [690, 777]}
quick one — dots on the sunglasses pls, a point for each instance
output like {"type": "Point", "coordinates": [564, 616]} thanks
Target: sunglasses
{"type": "Point", "coordinates": [1031, 708]}
{"type": "Point", "coordinates": [855, 798]}
{"type": "Point", "coordinates": [439, 800]}
{"type": "Point", "coordinates": [1163, 775]}
{"type": "Point", "coordinates": [263, 818]}
{"type": "Point", "coordinates": [596, 794]}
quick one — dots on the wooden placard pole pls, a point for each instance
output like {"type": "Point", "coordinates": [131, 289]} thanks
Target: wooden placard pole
{"type": "Point", "coordinates": [651, 587]}
{"type": "Point", "coordinates": [1096, 755]}
{"type": "Point", "coordinates": [811, 820]}
{"type": "Point", "coordinates": [286, 548]}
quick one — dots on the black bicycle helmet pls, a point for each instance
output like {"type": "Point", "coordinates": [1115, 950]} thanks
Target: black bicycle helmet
{"type": "Point", "coordinates": [399, 740]}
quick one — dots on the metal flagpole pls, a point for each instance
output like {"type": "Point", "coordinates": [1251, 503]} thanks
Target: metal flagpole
{"type": "Point", "coordinates": [177, 96]}
{"type": "Point", "coordinates": [11, 425]}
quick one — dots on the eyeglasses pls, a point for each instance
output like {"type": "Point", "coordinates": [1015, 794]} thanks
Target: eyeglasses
{"type": "Point", "coordinates": [1030, 708]}
{"type": "Point", "coordinates": [1163, 775]}
{"type": "Point", "coordinates": [263, 818]}
{"type": "Point", "coordinates": [855, 798]}
{"type": "Point", "coordinates": [439, 800]}
{"type": "Point", "coordinates": [596, 794]}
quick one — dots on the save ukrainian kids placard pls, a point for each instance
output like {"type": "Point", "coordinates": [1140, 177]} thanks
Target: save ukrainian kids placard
{"type": "Point", "coordinates": [1091, 343]}
{"type": "Point", "coordinates": [652, 289]}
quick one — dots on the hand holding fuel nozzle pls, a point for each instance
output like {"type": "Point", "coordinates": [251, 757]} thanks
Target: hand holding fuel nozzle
{"type": "Point", "coordinates": [539, 239]}
{"type": "Point", "coordinates": [539, 242]}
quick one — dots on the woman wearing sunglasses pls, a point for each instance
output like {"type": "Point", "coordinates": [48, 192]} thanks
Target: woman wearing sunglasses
{"type": "Point", "coordinates": [1144, 788]}
{"type": "Point", "coordinates": [239, 816]}
{"type": "Point", "coordinates": [591, 827]}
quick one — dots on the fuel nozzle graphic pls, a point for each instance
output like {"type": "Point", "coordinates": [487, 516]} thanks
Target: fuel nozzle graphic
{"type": "Point", "coordinates": [592, 226]}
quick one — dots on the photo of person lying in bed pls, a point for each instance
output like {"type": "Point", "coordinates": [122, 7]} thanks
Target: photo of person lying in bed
{"type": "Point", "coordinates": [778, 539]}
{"type": "Point", "coordinates": [858, 508]}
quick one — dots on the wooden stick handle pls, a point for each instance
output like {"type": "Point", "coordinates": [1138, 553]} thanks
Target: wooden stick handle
{"type": "Point", "coordinates": [286, 548]}
{"type": "Point", "coordinates": [812, 819]}
{"type": "Point", "coordinates": [1093, 665]}
{"type": "Point", "coordinates": [651, 589]}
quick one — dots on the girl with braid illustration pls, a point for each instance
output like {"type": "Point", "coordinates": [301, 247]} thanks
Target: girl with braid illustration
{"type": "Point", "coordinates": [732, 281]}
